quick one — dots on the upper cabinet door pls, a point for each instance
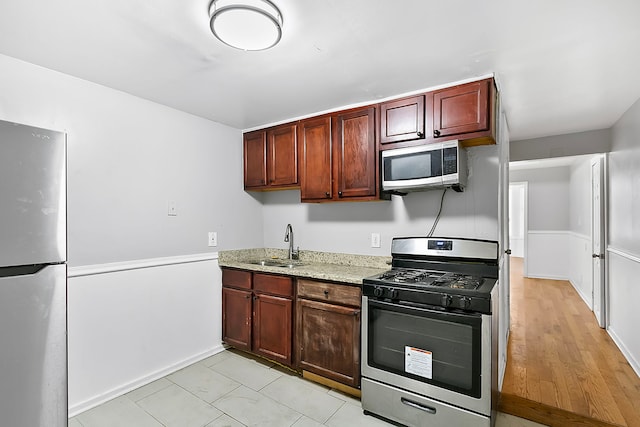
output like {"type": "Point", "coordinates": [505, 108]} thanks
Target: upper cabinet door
{"type": "Point", "coordinates": [315, 159]}
{"type": "Point", "coordinates": [461, 109]}
{"type": "Point", "coordinates": [402, 120]}
{"type": "Point", "coordinates": [255, 159]}
{"type": "Point", "coordinates": [355, 153]}
{"type": "Point", "coordinates": [282, 165]}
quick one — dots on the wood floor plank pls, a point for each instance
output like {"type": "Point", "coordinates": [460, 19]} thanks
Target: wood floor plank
{"type": "Point", "coordinates": [562, 368]}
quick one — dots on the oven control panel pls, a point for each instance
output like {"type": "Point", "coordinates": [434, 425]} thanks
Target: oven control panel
{"type": "Point", "coordinates": [428, 298]}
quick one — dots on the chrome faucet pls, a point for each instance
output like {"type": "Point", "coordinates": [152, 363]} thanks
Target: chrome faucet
{"type": "Point", "coordinates": [288, 237]}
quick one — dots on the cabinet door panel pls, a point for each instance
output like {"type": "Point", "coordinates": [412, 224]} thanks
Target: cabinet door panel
{"type": "Point", "coordinates": [236, 318]}
{"type": "Point", "coordinates": [461, 109]}
{"type": "Point", "coordinates": [328, 340]}
{"type": "Point", "coordinates": [283, 156]}
{"type": "Point", "coordinates": [272, 327]}
{"type": "Point", "coordinates": [402, 120]}
{"type": "Point", "coordinates": [356, 153]}
{"type": "Point", "coordinates": [255, 159]}
{"type": "Point", "coordinates": [315, 140]}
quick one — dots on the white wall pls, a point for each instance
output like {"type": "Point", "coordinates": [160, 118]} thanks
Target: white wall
{"type": "Point", "coordinates": [126, 158]}
{"type": "Point", "coordinates": [624, 234]}
{"type": "Point", "coordinates": [572, 144]}
{"type": "Point", "coordinates": [347, 226]}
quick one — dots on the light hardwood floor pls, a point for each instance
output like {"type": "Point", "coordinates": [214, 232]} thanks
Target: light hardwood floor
{"type": "Point", "coordinates": [562, 369]}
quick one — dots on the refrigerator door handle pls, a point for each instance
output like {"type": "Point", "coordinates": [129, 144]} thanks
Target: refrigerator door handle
{"type": "Point", "coordinates": [22, 270]}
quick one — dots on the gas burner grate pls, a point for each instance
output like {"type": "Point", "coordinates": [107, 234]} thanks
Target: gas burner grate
{"type": "Point", "coordinates": [409, 276]}
{"type": "Point", "coordinates": [458, 281]}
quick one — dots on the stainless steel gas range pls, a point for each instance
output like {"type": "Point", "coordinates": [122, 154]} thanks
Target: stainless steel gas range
{"type": "Point", "coordinates": [429, 334]}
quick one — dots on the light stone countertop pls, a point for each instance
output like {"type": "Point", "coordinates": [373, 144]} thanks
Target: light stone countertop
{"type": "Point", "coordinates": [336, 267]}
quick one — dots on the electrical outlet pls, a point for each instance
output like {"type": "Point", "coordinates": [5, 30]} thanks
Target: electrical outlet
{"type": "Point", "coordinates": [375, 240]}
{"type": "Point", "coordinates": [213, 238]}
{"type": "Point", "coordinates": [172, 208]}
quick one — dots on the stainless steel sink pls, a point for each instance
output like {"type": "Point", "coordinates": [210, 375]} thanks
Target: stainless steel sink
{"type": "Point", "coordinates": [284, 263]}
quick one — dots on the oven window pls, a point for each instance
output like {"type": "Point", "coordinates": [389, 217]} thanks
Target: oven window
{"type": "Point", "coordinates": [427, 164]}
{"type": "Point", "coordinates": [452, 342]}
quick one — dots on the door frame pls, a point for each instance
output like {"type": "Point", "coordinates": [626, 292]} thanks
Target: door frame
{"type": "Point", "coordinates": [603, 290]}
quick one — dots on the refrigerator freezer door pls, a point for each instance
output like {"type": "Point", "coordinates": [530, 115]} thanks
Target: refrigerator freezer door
{"type": "Point", "coordinates": [33, 348]}
{"type": "Point", "coordinates": [32, 195]}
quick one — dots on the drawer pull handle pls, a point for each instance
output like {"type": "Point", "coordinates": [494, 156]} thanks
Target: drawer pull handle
{"type": "Point", "coordinates": [326, 293]}
{"type": "Point", "coordinates": [424, 408]}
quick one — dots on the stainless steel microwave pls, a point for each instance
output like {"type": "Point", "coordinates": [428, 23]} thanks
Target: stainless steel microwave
{"type": "Point", "coordinates": [424, 167]}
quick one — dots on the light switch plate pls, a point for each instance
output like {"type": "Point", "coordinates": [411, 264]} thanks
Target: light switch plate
{"type": "Point", "coordinates": [172, 208]}
{"type": "Point", "coordinates": [213, 238]}
{"type": "Point", "coordinates": [375, 240]}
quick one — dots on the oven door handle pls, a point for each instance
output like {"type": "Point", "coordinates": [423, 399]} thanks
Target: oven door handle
{"type": "Point", "coordinates": [427, 409]}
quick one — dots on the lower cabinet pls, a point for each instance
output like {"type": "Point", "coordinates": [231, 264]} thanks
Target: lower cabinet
{"type": "Point", "coordinates": [257, 313]}
{"type": "Point", "coordinates": [258, 317]}
{"type": "Point", "coordinates": [328, 330]}
{"type": "Point", "coordinates": [236, 318]}
{"type": "Point", "coordinates": [272, 327]}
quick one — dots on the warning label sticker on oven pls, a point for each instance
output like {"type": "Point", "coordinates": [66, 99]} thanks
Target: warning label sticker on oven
{"type": "Point", "coordinates": [418, 362]}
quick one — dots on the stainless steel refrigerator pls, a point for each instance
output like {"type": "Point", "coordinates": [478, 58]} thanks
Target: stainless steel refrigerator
{"type": "Point", "coordinates": [33, 277]}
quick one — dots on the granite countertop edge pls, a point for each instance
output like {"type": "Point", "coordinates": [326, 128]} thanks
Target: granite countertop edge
{"type": "Point", "coordinates": [336, 267]}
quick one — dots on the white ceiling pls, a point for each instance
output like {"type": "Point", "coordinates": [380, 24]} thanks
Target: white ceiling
{"type": "Point", "coordinates": [562, 65]}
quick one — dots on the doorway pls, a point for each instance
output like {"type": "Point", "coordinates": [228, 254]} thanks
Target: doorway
{"type": "Point", "coordinates": [518, 226]}
{"type": "Point", "coordinates": [557, 223]}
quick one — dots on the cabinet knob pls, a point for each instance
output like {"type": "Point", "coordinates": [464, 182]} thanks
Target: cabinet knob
{"type": "Point", "coordinates": [255, 297]}
{"type": "Point", "coordinates": [339, 193]}
{"type": "Point", "coordinates": [326, 194]}
{"type": "Point", "coordinates": [436, 133]}
{"type": "Point", "coordinates": [419, 134]}
{"type": "Point", "coordinates": [326, 293]}
{"type": "Point", "coordinates": [247, 297]}
{"type": "Point", "coordinates": [356, 313]}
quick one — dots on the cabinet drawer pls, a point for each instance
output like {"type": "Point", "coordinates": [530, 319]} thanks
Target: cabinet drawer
{"type": "Point", "coordinates": [236, 278]}
{"type": "Point", "coordinates": [331, 292]}
{"type": "Point", "coordinates": [274, 285]}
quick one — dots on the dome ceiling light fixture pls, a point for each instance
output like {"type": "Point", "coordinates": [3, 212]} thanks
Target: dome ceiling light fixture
{"type": "Point", "coordinates": [246, 24]}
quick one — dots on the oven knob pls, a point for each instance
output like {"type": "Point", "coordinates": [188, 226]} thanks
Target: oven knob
{"type": "Point", "coordinates": [464, 303]}
{"type": "Point", "coordinates": [393, 293]}
{"type": "Point", "coordinates": [446, 300]}
{"type": "Point", "coordinates": [378, 291]}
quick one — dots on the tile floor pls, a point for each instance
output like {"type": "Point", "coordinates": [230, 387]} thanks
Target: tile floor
{"type": "Point", "coordinates": [231, 389]}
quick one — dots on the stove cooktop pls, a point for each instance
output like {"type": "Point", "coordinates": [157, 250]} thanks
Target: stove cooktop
{"type": "Point", "coordinates": [448, 290]}
{"type": "Point", "coordinates": [431, 278]}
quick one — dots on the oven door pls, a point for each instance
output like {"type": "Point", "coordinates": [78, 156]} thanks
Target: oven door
{"type": "Point", "coordinates": [439, 354]}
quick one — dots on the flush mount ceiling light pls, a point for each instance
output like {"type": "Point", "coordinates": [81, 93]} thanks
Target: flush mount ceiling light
{"type": "Point", "coordinates": [246, 24]}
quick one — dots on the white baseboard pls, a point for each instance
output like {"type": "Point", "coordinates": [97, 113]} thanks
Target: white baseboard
{"type": "Point", "coordinates": [547, 276]}
{"type": "Point", "coordinates": [635, 364]}
{"type": "Point", "coordinates": [126, 388]}
{"type": "Point", "coordinates": [586, 300]}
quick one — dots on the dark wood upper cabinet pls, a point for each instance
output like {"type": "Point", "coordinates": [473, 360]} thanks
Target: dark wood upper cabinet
{"type": "Point", "coordinates": [314, 137]}
{"type": "Point", "coordinates": [282, 161]}
{"type": "Point", "coordinates": [402, 120]}
{"type": "Point", "coordinates": [255, 159]}
{"type": "Point", "coordinates": [355, 154]}
{"type": "Point", "coordinates": [271, 158]}
{"type": "Point", "coordinates": [462, 109]}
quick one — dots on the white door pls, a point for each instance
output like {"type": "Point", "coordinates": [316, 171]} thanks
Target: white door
{"type": "Point", "coordinates": [503, 221]}
{"type": "Point", "coordinates": [597, 240]}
